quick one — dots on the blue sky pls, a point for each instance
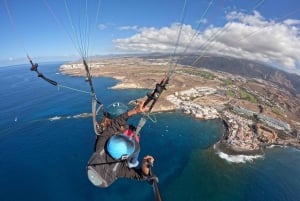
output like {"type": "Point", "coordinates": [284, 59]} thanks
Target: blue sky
{"type": "Point", "coordinates": [262, 30]}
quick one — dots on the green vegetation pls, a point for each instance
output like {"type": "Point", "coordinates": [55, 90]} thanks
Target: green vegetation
{"type": "Point", "coordinates": [278, 111]}
{"type": "Point", "coordinates": [204, 74]}
{"type": "Point", "coordinates": [227, 82]}
{"type": "Point", "coordinates": [230, 93]}
{"type": "Point", "coordinates": [247, 96]}
{"type": "Point", "coordinates": [207, 75]}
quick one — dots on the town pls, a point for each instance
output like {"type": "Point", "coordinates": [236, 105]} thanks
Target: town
{"type": "Point", "coordinates": [251, 109]}
{"type": "Point", "coordinates": [240, 134]}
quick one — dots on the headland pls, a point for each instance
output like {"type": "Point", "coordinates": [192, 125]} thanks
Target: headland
{"type": "Point", "coordinates": [253, 110]}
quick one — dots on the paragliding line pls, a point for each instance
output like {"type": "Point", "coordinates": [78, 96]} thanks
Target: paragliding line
{"type": "Point", "coordinates": [160, 87]}
{"type": "Point", "coordinates": [257, 5]}
{"type": "Point", "coordinates": [18, 36]}
{"type": "Point", "coordinates": [216, 35]}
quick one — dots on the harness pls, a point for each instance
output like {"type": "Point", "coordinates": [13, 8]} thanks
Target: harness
{"type": "Point", "coordinates": [102, 174]}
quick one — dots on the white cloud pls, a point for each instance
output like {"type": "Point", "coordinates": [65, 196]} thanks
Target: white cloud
{"type": "Point", "coordinates": [243, 36]}
{"type": "Point", "coordinates": [255, 20]}
{"type": "Point", "coordinates": [292, 22]}
{"type": "Point", "coordinates": [202, 21]}
{"type": "Point", "coordinates": [102, 26]}
{"type": "Point", "coordinates": [124, 28]}
{"type": "Point", "coordinates": [150, 39]}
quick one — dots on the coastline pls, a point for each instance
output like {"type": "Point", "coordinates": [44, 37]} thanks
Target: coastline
{"type": "Point", "coordinates": [224, 147]}
{"type": "Point", "coordinates": [242, 135]}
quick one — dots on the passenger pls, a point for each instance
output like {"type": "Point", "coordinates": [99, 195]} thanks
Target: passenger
{"type": "Point", "coordinates": [112, 112]}
{"type": "Point", "coordinates": [113, 149]}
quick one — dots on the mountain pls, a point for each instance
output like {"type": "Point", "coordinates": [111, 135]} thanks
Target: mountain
{"type": "Point", "coordinates": [246, 68]}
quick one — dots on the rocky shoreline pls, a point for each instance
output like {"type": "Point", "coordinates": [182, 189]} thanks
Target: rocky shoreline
{"type": "Point", "coordinates": [224, 147]}
{"type": "Point", "coordinates": [243, 135]}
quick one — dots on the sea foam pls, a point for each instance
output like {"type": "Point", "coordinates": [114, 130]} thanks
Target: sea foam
{"type": "Point", "coordinates": [238, 158]}
{"type": "Point", "coordinates": [54, 118]}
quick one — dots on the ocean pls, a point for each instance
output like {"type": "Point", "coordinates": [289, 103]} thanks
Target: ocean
{"type": "Point", "coordinates": [44, 148]}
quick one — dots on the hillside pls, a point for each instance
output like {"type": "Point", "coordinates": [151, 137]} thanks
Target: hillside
{"type": "Point", "coordinates": [247, 68]}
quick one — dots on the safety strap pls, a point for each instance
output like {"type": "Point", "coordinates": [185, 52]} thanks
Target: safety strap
{"type": "Point", "coordinates": [123, 159]}
{"type": "Point", "coordinates": [159, 88]}
{"type": "Point", "coordinates": [95, 101]}
{"type": "Point", "coordinates": [113, 162]}
{"type": "Point", "coordinates": [89, 77]}
{"type": "Point", "coordinates": [151, 98]}
{"type": "Point", "coordinates": [34, 67]}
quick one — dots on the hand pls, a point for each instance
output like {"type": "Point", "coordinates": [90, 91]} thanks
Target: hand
{"type": "Point", "coordinates": [149, 160]}
{"type": "Point", "coordinates": [140, 107]}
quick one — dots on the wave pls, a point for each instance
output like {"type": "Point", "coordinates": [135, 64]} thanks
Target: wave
{"type": "Point", "coordinates": [276, 145]}
{"type": "Point", "coordinates": [54, 118]}
{"type": "Point", "coordinates": [82, 115]}
{"type": "Point", "coordinates": [224, 152]}
{"type": "Point", "coordinates": [238, 158]}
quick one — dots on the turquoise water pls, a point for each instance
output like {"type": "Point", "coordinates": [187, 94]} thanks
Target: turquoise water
{"type": "Point", "coordinates": [45, 160]}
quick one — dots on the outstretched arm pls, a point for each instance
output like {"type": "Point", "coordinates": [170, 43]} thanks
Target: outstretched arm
{"type": "Point", "coordinates": [139, 108]}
